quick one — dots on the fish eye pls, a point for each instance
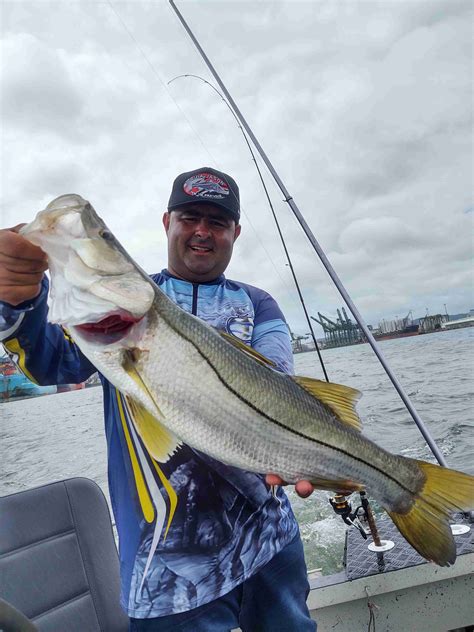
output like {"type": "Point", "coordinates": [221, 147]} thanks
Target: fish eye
{"type": "Point", "coordinates": [106, 234]}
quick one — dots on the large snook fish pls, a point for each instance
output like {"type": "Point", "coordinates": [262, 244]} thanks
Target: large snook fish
{"type": "Point", "coordinates": [215, 394]}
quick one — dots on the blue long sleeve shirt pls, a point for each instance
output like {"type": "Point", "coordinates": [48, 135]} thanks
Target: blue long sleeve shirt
{"type": "Point", "coordinates": [208, 526]}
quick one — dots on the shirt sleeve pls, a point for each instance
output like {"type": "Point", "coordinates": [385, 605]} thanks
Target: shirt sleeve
{"type": "Point", "coordinates": [44, 352]}
{"type": "Point", "coordinates": [271, 336]}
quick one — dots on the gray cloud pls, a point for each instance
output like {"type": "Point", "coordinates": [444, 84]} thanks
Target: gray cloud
{"type": "Point", "coordinates": [364, 108]}
{"type": "Point", "coordinates": [38, 93]}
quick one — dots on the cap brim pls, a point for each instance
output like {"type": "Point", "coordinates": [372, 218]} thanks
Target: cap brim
{"type": "Point", "coordinates": [233, 214]}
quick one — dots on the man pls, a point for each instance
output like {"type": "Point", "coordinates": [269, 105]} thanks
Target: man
{"type": "Point", "coordinates": [203, 546]}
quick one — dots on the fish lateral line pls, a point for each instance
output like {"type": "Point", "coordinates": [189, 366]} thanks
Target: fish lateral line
{"type": "Point", "coordinates": [291, 430]}
{"type": "Point", "coordinates": [418, 495]}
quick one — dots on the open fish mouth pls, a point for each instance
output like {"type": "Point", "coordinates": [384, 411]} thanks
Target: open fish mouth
{"type": "Point", "coordinates": [108, 330]}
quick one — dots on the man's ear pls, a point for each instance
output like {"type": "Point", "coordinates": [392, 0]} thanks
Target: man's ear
{"type": "Point", "coordinates": [238, 228]}
{"type": "Point", "coordinates": [166, 221]}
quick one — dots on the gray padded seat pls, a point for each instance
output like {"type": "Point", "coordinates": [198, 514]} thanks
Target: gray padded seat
{"type": "Point", "coordinates": [58, 560]}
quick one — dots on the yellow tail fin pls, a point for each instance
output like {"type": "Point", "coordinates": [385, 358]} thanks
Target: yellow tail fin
{"type": "Point", "coordinates": [426, 525]}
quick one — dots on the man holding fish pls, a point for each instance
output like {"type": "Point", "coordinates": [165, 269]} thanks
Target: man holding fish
{"type": "Point", "coordinates": [203, 545]}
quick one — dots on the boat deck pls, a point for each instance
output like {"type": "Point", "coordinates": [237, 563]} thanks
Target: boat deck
{"type": "Point", "coordinates": [400, 589]}
{"type": "Point", "coordinates": [360, 562]}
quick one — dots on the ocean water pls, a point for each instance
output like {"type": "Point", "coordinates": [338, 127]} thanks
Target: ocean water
{"type": "Point", "coordinates": [58, 436]}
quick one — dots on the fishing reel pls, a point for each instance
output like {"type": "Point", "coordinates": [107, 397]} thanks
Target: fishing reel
{"type": "Point", "coordinates": [342, 507]}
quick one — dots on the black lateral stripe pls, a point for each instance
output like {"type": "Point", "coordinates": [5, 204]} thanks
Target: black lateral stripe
{"type": "Point", "coordinates": [278, 423]}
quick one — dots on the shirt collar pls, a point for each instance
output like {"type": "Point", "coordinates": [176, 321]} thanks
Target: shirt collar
{"type": "Point", "coordinates": [220, 279]}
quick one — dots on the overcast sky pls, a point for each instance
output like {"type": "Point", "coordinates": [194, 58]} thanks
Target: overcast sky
{"type": "Point", "coordinates": [364, 108]}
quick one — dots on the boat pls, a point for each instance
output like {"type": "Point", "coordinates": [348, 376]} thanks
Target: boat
{"type": "Point", "coordinates": [56, 530]}
{"type": "Point", "coordinates": [393, 590]}
{"type": "Point", "coordinates": [399, 328]}
{"type": "Point", "coordinates": [459, 323]}
{"type": "Point", "coordinates": [15, 385]}
{"type": "Point", "coordinates": [397, 590]}
{"type": "Point", "coordinates": [410, 330]}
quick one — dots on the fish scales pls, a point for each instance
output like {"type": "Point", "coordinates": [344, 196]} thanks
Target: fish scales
{"type": "Point", "coordinates": [317, 439]}
{"type": "Point", "coordinates": [214, 394]}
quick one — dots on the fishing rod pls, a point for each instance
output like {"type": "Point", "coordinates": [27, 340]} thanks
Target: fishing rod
{"type": "Point", "coordinates": [287, 254]}
{"type": "Point", "coordinates": [312, 239]}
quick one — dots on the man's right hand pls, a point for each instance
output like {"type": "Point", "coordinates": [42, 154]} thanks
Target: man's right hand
{"type": "Point", "coordinates": [22, 266]}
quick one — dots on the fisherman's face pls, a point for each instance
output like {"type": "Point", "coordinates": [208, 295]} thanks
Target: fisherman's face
{"type": "Point", "coordinates": [200, 241]}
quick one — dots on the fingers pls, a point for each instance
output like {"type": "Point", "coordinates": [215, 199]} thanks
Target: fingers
{"type": "Point", "coordinates": [16, 246]}
{"type": "Point", "coordinates": [22, 265]}
{"type": "Point", "coordinates": [302, 488]}
{"type": "Point", "coordinates": [10, 277]}
{"type": "Point", "coordinates": [17, 265]}
{"type": "Point", "coordinates": [273, 479]}
{"type": "Point", "coordinates": [14, 295]}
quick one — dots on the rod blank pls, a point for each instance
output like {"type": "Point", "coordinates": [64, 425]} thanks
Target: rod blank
{"type": "Point", "coordinates": [325, 261]}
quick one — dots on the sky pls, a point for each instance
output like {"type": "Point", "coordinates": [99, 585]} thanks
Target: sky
{"type": "Point", "coordinates": [363, 107]}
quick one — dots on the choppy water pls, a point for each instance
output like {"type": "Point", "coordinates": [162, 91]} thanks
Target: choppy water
{"type": "Point", "coordinates": [58, 436]}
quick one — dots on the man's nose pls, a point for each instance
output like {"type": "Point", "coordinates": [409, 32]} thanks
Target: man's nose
{"type": "Point", "coordinates": [202, 228]}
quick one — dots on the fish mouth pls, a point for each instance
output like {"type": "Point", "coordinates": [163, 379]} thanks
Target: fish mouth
{"type": "Point", "coordinates": [108, 330]}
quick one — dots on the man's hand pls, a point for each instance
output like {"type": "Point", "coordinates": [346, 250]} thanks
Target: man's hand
{"type": "Point", "coordinates": [22, 266]}
{"type": "Point", "coordinates": [302, 488]}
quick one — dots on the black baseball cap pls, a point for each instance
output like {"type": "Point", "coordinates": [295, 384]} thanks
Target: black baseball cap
{"type": "Point", "coordinates": [207, 186]}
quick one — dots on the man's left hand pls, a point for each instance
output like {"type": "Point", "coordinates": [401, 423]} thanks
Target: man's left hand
{"type": "Point", "coordinates": [302, 488]}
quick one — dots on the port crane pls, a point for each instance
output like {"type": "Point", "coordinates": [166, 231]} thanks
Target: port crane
{"type": "Point", "coordinates": [341, 332]}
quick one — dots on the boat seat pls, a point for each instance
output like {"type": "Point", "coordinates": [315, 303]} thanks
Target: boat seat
{"type": "Point", "coordinates": [58, 560]}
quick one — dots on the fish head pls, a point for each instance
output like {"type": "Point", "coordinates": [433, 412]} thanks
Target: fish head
{"type": "Point", "coordinates": [95, 285]}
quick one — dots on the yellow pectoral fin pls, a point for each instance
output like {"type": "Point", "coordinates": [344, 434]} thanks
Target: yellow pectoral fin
{"type": "Point", "coordinates": [129, 364]}
{"type": "Point", "coordinates": [340, 399]}
{"type": "Point", "coordinates": [158, 440]}
{"type": "Point", "coordinates": [255, 355]}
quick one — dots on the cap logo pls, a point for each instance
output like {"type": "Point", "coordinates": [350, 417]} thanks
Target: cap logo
{"type": "Point", "coordinates": [206, 185]}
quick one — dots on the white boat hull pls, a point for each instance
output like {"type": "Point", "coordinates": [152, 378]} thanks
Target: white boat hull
{"type": "Point", "coordinates": [415, 599]}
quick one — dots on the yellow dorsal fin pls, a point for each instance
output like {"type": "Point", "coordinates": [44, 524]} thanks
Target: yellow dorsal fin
{"type": "Point", "coordinates": [159, 441]}
{"type": "Point", "coordinates": [238, 344]}
{"type": "Point", "coordinates": [340, 399]}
